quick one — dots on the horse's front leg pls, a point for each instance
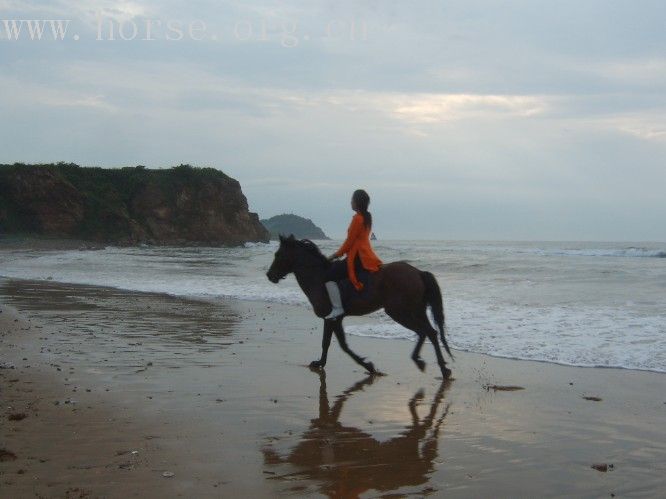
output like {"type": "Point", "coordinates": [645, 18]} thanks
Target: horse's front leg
{"type": "Point", "coordinates": [325, 343]}
{"type": "Point", "coordinates": [340, 335]}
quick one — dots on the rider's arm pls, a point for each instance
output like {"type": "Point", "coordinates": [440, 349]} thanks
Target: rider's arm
{"type": "Point", "coordinates": [354, 231]}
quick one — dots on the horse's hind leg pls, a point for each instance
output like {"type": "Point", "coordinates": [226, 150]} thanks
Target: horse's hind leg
{"type": "Point", "coordinates": [407, 320]}
{"type": "Point", "coordinates": [340, 335]}
{"type": "Point", "coordinates": [421, 326]}
{"type": "Point", "coordinates": [416, 354]}
{"type": "Point", "coordinates": [432, 336]}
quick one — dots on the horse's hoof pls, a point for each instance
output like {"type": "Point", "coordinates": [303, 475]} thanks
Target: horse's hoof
{"type": "Point", "coordinates": [370, 368]}
{"type": "Point", "coordinates": [420, 364]}
{"type": "Point", "coordinates": [315, 364]}
{"type": "Point", "coordinates": [446, 373]}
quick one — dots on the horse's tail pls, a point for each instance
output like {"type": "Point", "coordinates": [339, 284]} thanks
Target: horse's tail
{"type": "Point", "coordinates": [433, 297]}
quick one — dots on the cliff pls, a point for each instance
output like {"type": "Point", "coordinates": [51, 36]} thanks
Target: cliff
{"type": "Point", "coordinates": [181, 205]}
{"type": "Point", "coordinates": [301, 228]}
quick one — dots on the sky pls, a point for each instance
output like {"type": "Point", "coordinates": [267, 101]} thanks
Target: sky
{"type": "Point", "coordinates": [487, 120]}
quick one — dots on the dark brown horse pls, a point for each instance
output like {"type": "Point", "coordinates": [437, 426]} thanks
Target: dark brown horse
{"type": "Point", "coordinates": [403, 291]}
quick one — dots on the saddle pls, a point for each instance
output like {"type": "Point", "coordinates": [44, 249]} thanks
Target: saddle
{"type": "Point", "coordinates": [350, 294]}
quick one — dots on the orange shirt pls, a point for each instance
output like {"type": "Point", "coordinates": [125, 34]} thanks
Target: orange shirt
{"type": "Point", "coordinates": [358, 244]}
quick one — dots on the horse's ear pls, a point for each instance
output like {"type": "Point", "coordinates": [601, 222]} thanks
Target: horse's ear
{"type": "Point", "coordinates": [291, 238]}
{"type": "Point", "coordinates": [281, 238]}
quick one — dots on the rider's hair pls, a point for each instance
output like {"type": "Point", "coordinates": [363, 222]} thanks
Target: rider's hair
{"type": "Point", "coordinates": [362, 200]}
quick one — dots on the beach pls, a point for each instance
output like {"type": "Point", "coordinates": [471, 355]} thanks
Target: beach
{"type": "Point", "coordinates": [483, 180]}
{"type": "Point", "coordinates": [112, 393]}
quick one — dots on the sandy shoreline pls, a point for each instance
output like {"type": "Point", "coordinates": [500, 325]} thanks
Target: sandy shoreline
{"type": "Point", "coordinates": [118, 388]}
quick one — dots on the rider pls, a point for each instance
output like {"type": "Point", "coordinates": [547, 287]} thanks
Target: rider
{"type": "Point", "coordinates": [360, 255]}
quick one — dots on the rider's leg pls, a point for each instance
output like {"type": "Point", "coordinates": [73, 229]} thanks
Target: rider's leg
{"type": "Point", "coordinates": [336, 272]}
{"type": "Point", "coordinates": [336, 300]}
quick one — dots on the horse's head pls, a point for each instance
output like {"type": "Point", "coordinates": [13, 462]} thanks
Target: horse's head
{"type": "Point", "coordinates": [283, 262]}
{"type": "Point", "coordinates": [294, 255]}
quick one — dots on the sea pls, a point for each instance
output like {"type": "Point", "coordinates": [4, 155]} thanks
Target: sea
{"type": "Point", "coordinates": [574, 303]}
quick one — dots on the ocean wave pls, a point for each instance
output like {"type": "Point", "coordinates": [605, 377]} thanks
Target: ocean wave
{"type": "Point", "coordinates": [573, 336]}
{"type": "Point", "coordinates": [627, 252]}
{"type": "Point", "coordinates": [258, 244]}
{"type": "Point", "coordinates": [624, 326]}
{"type": "Point", "coordinates": [631, 252]}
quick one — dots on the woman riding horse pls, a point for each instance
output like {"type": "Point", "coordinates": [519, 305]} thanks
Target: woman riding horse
{"type": "Point", "coordinates": [360, 255]}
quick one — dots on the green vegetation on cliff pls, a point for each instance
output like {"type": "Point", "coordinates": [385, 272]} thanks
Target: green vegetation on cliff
{"type": "Point", "coordinates": [127, 205]}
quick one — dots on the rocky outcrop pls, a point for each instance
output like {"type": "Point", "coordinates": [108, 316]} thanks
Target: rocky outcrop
{"type": "Point", "coordinates": [301, 228]}
{"type": "Point", "coordinates": [35, 192]}
{"type": "Point", "coordinates": [182, 205]}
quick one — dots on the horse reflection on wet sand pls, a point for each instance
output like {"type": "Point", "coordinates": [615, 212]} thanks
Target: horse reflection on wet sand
{"type": "Point", "coordinates": [344, 461]}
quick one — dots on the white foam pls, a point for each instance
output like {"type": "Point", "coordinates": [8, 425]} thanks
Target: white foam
{"type": "Point", "coordinates": [630, 252]}
{"type": "Point", "coordinates": [567, 314]}
{"type": "Point", "coordinates": [576, 336]}
{"type": "Point", "coordinates": [256, 245]}
{"type": "Point", "coordinates": [591, 251]}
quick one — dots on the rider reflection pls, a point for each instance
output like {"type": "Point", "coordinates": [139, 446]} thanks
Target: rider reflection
{"type": "Point", "coordinates": [346, 461]}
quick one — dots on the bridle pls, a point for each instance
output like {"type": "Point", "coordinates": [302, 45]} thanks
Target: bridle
{"type": "Point", "coordinates": [301, 265]}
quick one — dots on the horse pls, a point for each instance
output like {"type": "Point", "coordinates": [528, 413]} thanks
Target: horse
{"type": "Point", "coordinates": [403, 291]}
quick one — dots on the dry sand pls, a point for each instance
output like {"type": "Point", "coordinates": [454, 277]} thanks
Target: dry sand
{"type": "Point", "coordinates": [104, 392]}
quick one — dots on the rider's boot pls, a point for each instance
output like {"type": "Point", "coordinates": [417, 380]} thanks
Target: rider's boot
{"type": "Point", "coordinates": [336, 300]}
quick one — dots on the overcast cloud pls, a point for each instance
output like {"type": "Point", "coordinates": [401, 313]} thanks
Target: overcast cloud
{"type": "Point", "coordinates": [464, 120]}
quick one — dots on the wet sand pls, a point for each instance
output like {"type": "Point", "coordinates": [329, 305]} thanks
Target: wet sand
{"type": "Point", "coordinates": [105, 392]}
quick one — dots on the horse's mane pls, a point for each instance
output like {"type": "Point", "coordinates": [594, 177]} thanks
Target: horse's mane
{"type": "Point", "coordinates": [313, 249]}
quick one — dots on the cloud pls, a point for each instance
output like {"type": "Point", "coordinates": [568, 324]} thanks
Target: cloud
{"type": "Point", "coordinates": [18, 93]}
{"type": "Point", "coordinates": [424, 108]}
{"type": "Point", "coordinates": [651, 128]}
{"type": "Point", "coordinates": [88, 12]}
{"type": "Point", "coordinates": [640, 73]}
{"type": "Point", "coordinates": [436, 108]}
{"type": "Point", "coordinates": [480, 111]}
{"type": "Point", "coordinates": [189, 87]}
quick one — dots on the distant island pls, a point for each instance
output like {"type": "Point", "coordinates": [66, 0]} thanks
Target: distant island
{"type": "Point", "coordinates": [301, 228]}
{"type": "Point", "coordinates": [132, 205]}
